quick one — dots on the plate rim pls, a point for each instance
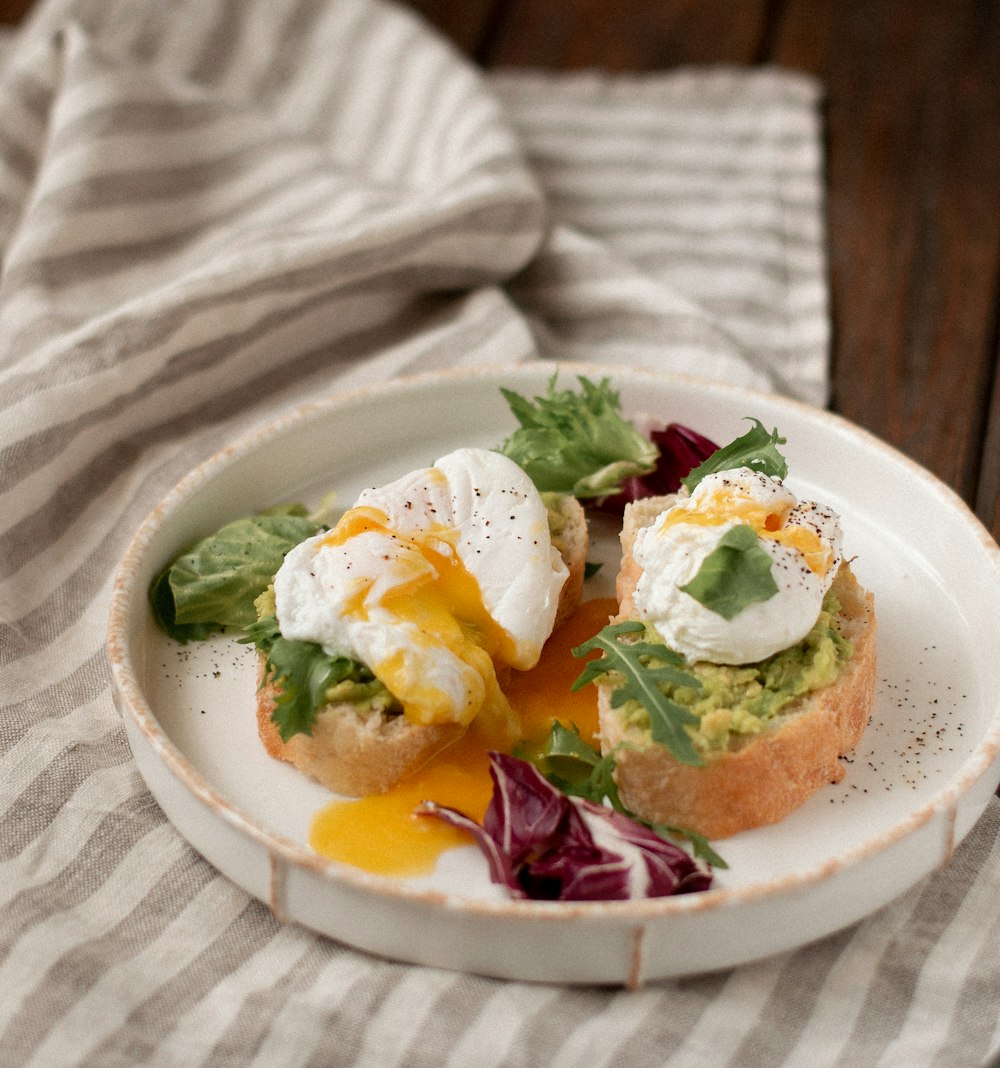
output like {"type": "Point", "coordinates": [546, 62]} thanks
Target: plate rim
{"type": "Point", "coordinates": [131, 701]}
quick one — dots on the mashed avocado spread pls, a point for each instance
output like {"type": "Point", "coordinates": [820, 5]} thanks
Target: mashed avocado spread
{"type": "Point", "coordinates": [737, 700]}
{"type": "Point", "coordinates": [556, 506]}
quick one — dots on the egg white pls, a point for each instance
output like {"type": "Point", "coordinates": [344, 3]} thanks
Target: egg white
{"type": "Point", "coordinates": [473, 525]}
{"type": "Point", "coordinates": [671, 551]}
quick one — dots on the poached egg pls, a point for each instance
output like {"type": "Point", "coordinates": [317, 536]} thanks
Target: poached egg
{"type": "Point", "coordinates": [802, 538]}
{"type": "Point", "coordinates": [434, 581]}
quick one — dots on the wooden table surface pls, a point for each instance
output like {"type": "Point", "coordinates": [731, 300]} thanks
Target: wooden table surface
{"type": "Point", "coordinates": [913, 181]}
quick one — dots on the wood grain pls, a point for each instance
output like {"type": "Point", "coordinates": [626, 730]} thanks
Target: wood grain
{"type": "Point", "coordinates": [13, 11]}
{"type": "Point", "coordinates": [637, 36]}
{"type": "Point", "coordinates": [913, 177]}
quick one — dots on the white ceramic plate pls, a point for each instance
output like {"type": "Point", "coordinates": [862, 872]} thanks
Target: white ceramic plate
{"type": "Point", "coordinates": [921, 777]}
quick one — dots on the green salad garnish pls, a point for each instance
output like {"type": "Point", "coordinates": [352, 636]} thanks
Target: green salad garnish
{"type": "Point", "coordinates": [213, 584]}
{"type": "Point", "coordinates": [637, 667]}
{"type": "Point", "coordinates": [307, 678]}
{"type": "Point", "coordinates": [735, 574]}
{"type": "Point", "coordinates": [577, 442]}
{"type": "Point", "coordinates": [756, 449]}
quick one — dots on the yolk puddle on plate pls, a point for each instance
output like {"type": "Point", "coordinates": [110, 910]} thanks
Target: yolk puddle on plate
{"type": "Point", "coordinates": [382, 834]}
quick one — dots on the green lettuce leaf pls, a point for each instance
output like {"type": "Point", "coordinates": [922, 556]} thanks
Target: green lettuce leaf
{"type": "Point", "coordinates": [214, 584]}
{"type": "Point", "coordinates": [577, 442]}
{"type": "Point", "coordinates": [575, 767]}
{"type": "Point", "coordinates": [756, 449]}
{"type": "Point", "coordinates": [637, 668]}
{"type": "Point", "coordinates": [736, 573]}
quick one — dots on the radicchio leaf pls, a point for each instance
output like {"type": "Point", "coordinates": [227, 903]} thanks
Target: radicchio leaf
{"type": "Point", "coordinates": [541, 844]}
{"type": "Point", "coordinates": [681, 450]}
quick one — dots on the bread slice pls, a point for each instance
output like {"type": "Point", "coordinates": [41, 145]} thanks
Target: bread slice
{"type": "Point", "coordinates": [760, 778]}
{"type": "Point", "coordinates": [354, 750]}
{"type": "Point", "coordinates": [571, 538]}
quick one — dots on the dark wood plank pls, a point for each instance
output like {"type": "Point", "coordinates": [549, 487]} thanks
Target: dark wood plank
{"type": "Point", "coordinates": [472, 25]}
{"type": "Point", "coordinates": [635, 36]}
{"type": "Point", "coordinates": [913, 121]}
{"type": "Point", "coordinates": [987, 502]}
{"type": "Point", "coordinates": [12, 12]}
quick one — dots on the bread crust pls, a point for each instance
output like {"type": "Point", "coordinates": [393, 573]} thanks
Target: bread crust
{"type": "Point", "coordinates": [355, 750]}
{"type": "Point", "coordinates": [762, 778]}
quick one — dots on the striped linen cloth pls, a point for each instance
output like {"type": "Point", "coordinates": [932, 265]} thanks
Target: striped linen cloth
{"type": "Point", "coordinates": [211, 211]}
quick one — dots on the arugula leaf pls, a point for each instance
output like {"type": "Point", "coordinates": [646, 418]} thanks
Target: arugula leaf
{"type": "Point", "coordinates": [577, 442]}
{"type": "Point", "coordinates": [643, 666]}
{"type": "Point", "coordinates": [304, 675]}
{"type": "Point", "coordinates": [214, 583]}
{"type": "Point", "coordinates": [575, 767]}
{"type": "Point", "coordinates": [736, 573]}
{"type": "Point", "coordinates": [756, 449]}
{"type": "Point", "coordinates": [578, 769]}
{"type": "Point", "coordinates": [700, 845]}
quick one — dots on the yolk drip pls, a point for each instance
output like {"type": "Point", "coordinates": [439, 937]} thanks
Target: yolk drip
{"type": "Point", "coordinates": [383, 835]}
{"type": "Point", "coordinates": [444, 603]}
{"type": "Point", "coordinates": [543, 693]}
{"type": "Point", "coordinates": [356, 521]}
{"type": "Point", "coordinates": [448, 610]}
{"type": "Point", "coordinates": [768, 524]}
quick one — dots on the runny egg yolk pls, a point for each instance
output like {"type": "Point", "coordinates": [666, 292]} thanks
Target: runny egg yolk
{"type": "Point", "coordinates": [445, 604]}
{"type": "Point", "coordinates": [382, 834]}
{"type": "Point", "coordinates": [719, 508]}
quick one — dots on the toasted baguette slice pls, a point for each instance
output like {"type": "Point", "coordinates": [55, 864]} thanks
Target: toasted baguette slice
{"type": "Point", "coordinates": [571, 537]}
{"type": "Point", "coordinates": [356, 751]}
{"type": "Point", "coordinates": [760, 779]}
{"type": "Point", "coordinates": [353, 750]}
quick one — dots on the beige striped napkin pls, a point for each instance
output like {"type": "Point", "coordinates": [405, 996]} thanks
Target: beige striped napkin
{"type": "Point", "coordinates": [210, 211]}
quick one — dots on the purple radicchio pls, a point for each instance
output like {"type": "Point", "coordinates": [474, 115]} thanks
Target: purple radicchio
{"type": "Point", "coordinates": [681, 450]}
{"type": "Point", "coordinates": [543, 844]}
